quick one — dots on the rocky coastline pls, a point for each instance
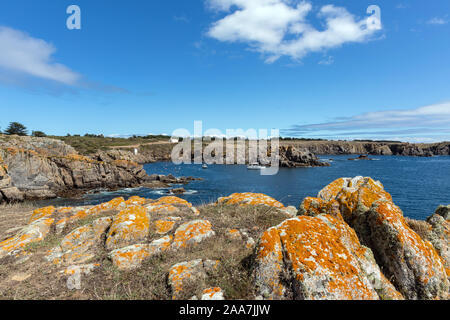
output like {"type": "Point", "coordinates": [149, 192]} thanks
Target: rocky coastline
{"type": "Point", "coordinates": [351, 242]}
{"type": "Point", "coordinates": [41, 168]}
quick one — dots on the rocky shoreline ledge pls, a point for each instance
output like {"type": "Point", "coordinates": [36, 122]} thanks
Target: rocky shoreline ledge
{"type": "Point", "coordinates": [40, 168]}
{"type": "Point", "coordinates": [350, 242]}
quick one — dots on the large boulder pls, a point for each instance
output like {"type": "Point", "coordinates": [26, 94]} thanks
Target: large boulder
{"type": "Point", "coordinates": [412, 263]}
{"type": "Point", "coordinates": [77, 246]}
{"type": "Point", "coordinates": [37, 168]}
{"type": "Point", "coordinates": [292, 157]}
{"type": "Point", "coordinates": [317, 258]}
{"type": "Point", "coordinates": [34, 232]}
{"type": "Point", "coordinates": [130, 226]}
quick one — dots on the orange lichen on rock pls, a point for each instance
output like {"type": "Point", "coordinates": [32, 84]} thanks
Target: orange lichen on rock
{"type": "Point", "coordinates": [114, 204]}
{"type": "Point", "coordinates": [270, 265]}
{"type": "Point", "coordinates": [41, 213]}
{"type": "Point", "coordinates": [132, 256]}
{"type": "Point", "coordinates": [135, 200]}
{"type": "Point", "coordinates": [248, 198]}
{"type": "Point", "coordinates": [192, 232]}
{"type": "Point", "coordinates": [129, 226]}
{"type": "Point", "coordinates": [212, 294]}
{"type": "Point", "coordinates": [34, 232]}
{"type": "Point", "coordinates": [415, 267]}
{"type": "Point", "coordinates": [76, 247]}
{"type": "Point", "coordinates": [162, 208]}
{"type": "Point", "coordinates": [166, 225]}
{"type": "Point", "coordinates": [124, 163]}
{"type": "Point", "coordinates": [65, 210]}
{"type": "Point", "coordinates": [170, 205]}
{"type": "Point", "coordinates": [321, 257]}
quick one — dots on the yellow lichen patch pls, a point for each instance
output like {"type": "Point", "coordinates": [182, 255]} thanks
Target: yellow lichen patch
{"type": "Point", "coordinates": [270, 264]}
{"type": "Point", "coordinates": [114, 204]}
{"type": "Point", "coordinates": [332, 190]}
{"type": "Point", "coordinates": [173, 201]}
{"type": "Point", "coordinates": [80, 158]}
{"type": "Point", "coordinates": [249, 198]}
{"type": "Point", "coordinates": [34, 232]}
{"type": "Point", "coordinates": [135, 200]}
{"type": "Point", "coordinates": [124, 163]}
{"type": "Point", "coordinates": [162, 209]}
{"type": "Point", "coordinates": [129, 226]}
{"type": "Point", "coordinates": [322, 254]}
{"type": "Point", "coordinates": [65, 210]}
{"type": "Point", "coordinates": [419, 255]}
{"type": "Point", "coordinates": [41, 213]}
{"type": "Point", "coordinates": [163, 226]}
{"type": "Point", "coordinates": [132, 256]}
{"type": "Point", "coordinates": [192, 232]}
{"type": "Point", "coordinates": [76, 247]}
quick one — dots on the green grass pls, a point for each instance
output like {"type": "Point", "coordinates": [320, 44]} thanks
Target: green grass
{"type": "Point", "coordinates": [89, 145]}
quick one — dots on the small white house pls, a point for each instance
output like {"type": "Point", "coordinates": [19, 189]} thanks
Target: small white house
{"type": "Point", "coordinates": [135, 151]}
{"type": "Point", "coordinates": [174, 140]}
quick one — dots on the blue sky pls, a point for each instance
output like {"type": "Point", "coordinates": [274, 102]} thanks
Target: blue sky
{"type": "Point", "coordinates": [309, 68]}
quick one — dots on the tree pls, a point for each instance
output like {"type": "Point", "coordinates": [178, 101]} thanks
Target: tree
{"type": "Point", "coordinates": [38, 134]}
{"type": "Point", "coordinates": [16, 128]}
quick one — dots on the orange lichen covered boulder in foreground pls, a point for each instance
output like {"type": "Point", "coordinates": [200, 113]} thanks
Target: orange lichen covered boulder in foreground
{"type": "Point", "coordinates": [170, 205]}
{"type": "Point", "coordinates": [192, 232]}
{"type": "Point", "coordinates": [42, 213]}
{"type": "Point", "coordinates": [317, 258]}
{"type": "Point", "coordinates": [249, 198]}
{"type": "Point", "coordinates": [256, 199]}
{"type": "Point", "coordinates": [76, 247]}
{"type": "Point", "coordinates": [34, 232]}
{"type": "Point", "coordinates": [129, 226]}
{"type": "Point", "coordinates": [132, 256]}
{"type": "Point", "coordinates": [413, 264]}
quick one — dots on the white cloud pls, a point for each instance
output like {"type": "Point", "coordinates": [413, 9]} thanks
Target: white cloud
{"type": "Point", "coordinates": [428, 120]}
{"type": "Point", "coordinates": [24, 54]}
{"type": "Point", "coordinates": [279, 28]}
{"type": "Point", "coordinates": [437, 21]}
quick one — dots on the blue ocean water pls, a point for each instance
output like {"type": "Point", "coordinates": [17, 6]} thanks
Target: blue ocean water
{"type": "Point", "coordinates": [417, 185]}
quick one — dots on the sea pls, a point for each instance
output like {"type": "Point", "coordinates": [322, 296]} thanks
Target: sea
{"type": "Point", "coordinates": [417, 185]}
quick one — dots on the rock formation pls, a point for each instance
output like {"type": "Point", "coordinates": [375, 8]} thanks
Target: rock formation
{"type": "Point", "coordinates": [350, 242]}
{"type": "Point", "coordinates": [40, 168]}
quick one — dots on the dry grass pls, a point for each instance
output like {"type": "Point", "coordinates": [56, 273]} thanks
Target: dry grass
{"type": "Point", "coordinates": [422, 228]}
{"type": "Point", "coordinates": [149, 282]}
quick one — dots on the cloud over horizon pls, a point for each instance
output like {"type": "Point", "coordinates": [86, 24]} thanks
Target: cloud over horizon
{"type": "Point", "coordinates": [25, 55]}
{"type": "Point", "coordinates": [279, 28]}
{"type": "Point", "coordinates": [428, 121]}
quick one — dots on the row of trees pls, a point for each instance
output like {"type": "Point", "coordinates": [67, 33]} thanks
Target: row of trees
{"type": "Point", "coordinates": [20, 130]}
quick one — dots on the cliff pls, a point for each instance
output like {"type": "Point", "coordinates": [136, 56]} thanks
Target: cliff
{"type": "Point", "coordinates": [373, 148]}
{"type": "Point", "coordinates": [36, 168]}
{"type": "Point", "coordinates": [351, 242]}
